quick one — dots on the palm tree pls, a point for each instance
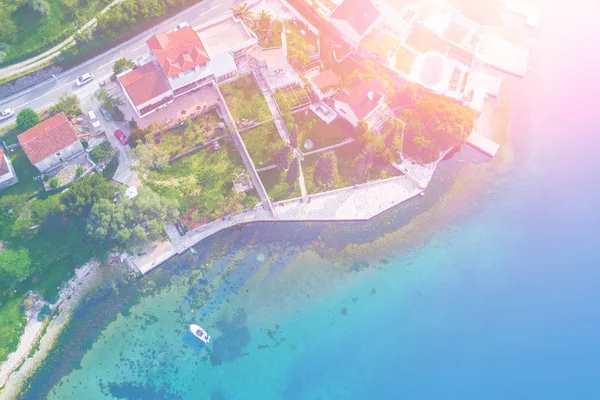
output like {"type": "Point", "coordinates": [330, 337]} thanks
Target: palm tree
{"type": "Point", "coordinates": [243, 12]}
{"type": "Point", "coordinates": [264, 20]}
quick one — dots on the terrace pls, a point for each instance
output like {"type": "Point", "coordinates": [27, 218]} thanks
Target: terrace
{"type": "Point", "coordinates": [380, 43]}
{"type": "Point", "coordinates": [245, 100]}
{"type": "Point", "coordinates": [263, 142]}
{"type": "Point", "coordinates": [191, 133]}
{"type": "Point", "coordinates": [350, 171]}
{"type": "Point", "coordinates": [320, 134]}
{"type": "Point", "coordinates": [202, 184]}
{"type": "Point", "coordinates": [404, 59]}
{"type": "Point", "coordinates": [291, 98]}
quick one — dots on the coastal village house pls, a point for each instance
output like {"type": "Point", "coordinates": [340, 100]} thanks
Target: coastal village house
{"type": "Point", "coordinates": [50, 143]}
{"type": "Point", "coordinates": [184, 60]}
{"type": "Point", "coordinates": [360, 101]}
{"type": "Point", "coordinates": [354, 19]}
{"type": "Point", "coordinates": [8, 176]}
{"type": "Point", "coordinates": [325, 84]}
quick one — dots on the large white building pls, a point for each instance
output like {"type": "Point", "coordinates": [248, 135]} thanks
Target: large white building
{"type": "Point", "coordinates": [184, 60]}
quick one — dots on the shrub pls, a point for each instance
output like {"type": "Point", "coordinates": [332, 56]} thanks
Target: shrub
{"type": "Point", "coordinates": [53, 183]}
{"type": "Point", "coordinates": [41, 7]}
{"type": "Point", "coordinates": [85, 144]}
{"type": "Point", "coordinates": [79, 171]}
{"type": "Point", "coordinates": [27, 118]}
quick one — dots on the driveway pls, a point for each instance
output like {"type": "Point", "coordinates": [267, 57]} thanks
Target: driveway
{"type": "Point", "coordinates": [124, 174]}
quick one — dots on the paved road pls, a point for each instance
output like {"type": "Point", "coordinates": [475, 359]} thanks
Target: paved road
{"type": "Point", "coordinates": [45, 94]}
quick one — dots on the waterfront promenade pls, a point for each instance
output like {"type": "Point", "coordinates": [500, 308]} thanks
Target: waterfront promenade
{"type": "Point", "coordinates": [355, 203]}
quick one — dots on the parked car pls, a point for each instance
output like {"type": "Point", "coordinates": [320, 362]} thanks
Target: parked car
{"type": "Point", "coordinates": [215, 146]}
{"type": "Point", "coordinates": [7, 113]}
{"type": "Point", "coordinates": [94, 119]}
{"type": "Point", "coordinates": [85, 78]}
{"type": "Point", "coordinates": [121, 136]}
{"type": "Point", "coordinates": [107, 116]}
{"type": "Point", "coordinates": [181, 26]}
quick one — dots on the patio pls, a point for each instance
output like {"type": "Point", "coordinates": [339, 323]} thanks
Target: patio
{"type": "Point", "coordinates": [185, 106]}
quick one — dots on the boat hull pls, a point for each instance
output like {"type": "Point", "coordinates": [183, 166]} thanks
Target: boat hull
{"type": "Point", "coordinates": [199, 333]}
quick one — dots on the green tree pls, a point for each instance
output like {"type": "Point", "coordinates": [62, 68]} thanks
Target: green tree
{"type": "Point", "coordinates": [53, 183]}
{"type": "Point", "coordinates": [292, 173]}
{"type": "Point", "coordinates": [85, 193]}
{"type": "Point", "coordinates": [122, 64]}
{"type": "Point", "coordinates": [111, 104]}
{"type": "Point", "coordinates": [243, 12]}
{"type": "Point", "coordinates": [84, 36]}
{"type": "Point", "coordinates": [40, 7]}
{"type": "Point", "coordinates": [130, 222]}
{"type": "Point", "coordinates": [283, 157]}
{"type": "Point", "coordinates": [27, 118]}
{"type": "Point", "coordinates": [150, 157]}
{"type": "Point", "coordinates": [208, 178]}
{"type": "Point", "coordinates": [67, 103]}
{"type": "Point", "coordinates": [8, 29]}
{"type": "Point", "coordinates": [326, 171]}
{"type": "Point", "coordinates": [14, 266]}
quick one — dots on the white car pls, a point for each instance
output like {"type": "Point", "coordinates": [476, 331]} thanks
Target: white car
{"type": "Point", "coordinates": [181, 26]}
{"type": "Point", "coordinates": [94, 119]}
{"type": "Point", "coordinates": [9, 112]}
{"type": "Point", "coordinates": [83, 79]}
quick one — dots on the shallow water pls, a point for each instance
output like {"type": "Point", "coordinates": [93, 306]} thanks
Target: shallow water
{"type": "Point", "coordinates": [492, 294]}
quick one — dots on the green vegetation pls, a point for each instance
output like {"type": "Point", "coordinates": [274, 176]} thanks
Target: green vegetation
{"type": "Point", "coordinates": [268, 30]}
{"type": "Point", "coordinates": [245, 101]}
{"type": "Point", "coordinates": [111, 104]}
{"type": "Point", "coordinates": [122, 64]}
{"type": "Point", "coordinates": [44, 312]}
{"type": "Point", "coordinates": [12, 325]}
{"type": "Point", "coordinates": [300, 46]}
{"type": "Point", "coordinates": [435, 124]}
{"type": "Point", "coordinates": [102, 151]}
{"type": "Point", "coordinates": [310, 127]}
{"type": "Point", "coordinates": [29, 27]}
{"type": "Point", "coordinates": [243, 12]}
{"type": "Point", "coordinates": [27, 185]}
{"type": "Point", "coordinates": [351, 170]}
{"type": "Point", "coordinates": [129, 223]}
{"type": "Point", "coordinates": [291, 97]}
{"type": "Point", "coordinates": [9, 136]}
{"type": "Point", "coordinates": [67, 103]}
{"type": "Point", "coordinates": [27, 118]}
{"type": "Point", "coordinates": [277, 184]}
{"type": "Point", "coordinates": [326, 171]}
{"type": "Point", "coordinates": [404, 60]}
{"type": "Point", "coordinates": [263, 142]}
{"type": "Point", "coordinates": [380, 43]}
{"type": "Point", "coordinates": [201, 183]}
{"type": "Point", "coordinates": [53, 183]}
{"type": "Point", "coordinates": [194, 132]}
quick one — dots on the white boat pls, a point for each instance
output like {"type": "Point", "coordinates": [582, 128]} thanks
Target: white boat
{"type": "Point", "coordinates": [199, 333]}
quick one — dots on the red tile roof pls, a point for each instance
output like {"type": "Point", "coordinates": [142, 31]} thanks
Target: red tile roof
{"type": "Point", "coordinates": [144, 83]}
{"type": "Point", "coordinates": [178, 51]}
{"type": "Point", "coordinates": [325, 79]}
{"type": "Point", "coordinates": [4, 168]}
{"type": "Point", "coordinates": [47, 138]}
{"type": "Point", "coordinates": [360, 14]}
{"type": "Point", "coordinates": [358, 99]}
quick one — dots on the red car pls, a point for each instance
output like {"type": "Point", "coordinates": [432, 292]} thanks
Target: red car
{"type": "Point", "coordinates": [121, 136]}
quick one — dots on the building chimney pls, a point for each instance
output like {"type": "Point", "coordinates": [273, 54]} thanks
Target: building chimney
{"type": "Point", "coordinates": [370, 95]}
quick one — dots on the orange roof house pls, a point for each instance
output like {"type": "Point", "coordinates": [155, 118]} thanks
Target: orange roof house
{"type": "Point", "coordinates": [144, 83]}
{"type": "Point", "coordinates": [50, 142]}
{"type": "Point", "coordinates": [178, 51]}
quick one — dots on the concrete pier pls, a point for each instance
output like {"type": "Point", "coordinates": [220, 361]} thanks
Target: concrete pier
{"type": "Point", "coordinates": [483, 144]}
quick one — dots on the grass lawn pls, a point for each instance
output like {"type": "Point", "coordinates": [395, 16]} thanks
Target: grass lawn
{"type": "Point", "coordinates": [245, 101]}
{"type": "Point", "coordinates": [276, 186]}
{"type": "Point", "coordinates": [380, 43]}
{"type": "Point", "coordinates": [290, 98]}
{"type": "Point", "coordinates": [345, 156]}
{"type": "Point", "coordinates": [25, 172]}
{"type": "Point", "coordinates": [404, 60]}
{"type": "Point", "coordinates": [423, 40]}
{"type": "Point", "coordinates": [262, 143]}
{"type": "Point", "coordinates": [12, 325]}
{"type": "Point", "coordinates": [199, 202]}
{"type": "Point", "coordinates": [321, 134]}
{"type": "Point", "coordinates": [36, 33]}
{"type": "Point", "coordinates": [185, 137]}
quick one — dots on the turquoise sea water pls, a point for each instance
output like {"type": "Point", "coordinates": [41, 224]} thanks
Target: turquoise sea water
{"type": "Point", "coordinates": [493, 294]}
